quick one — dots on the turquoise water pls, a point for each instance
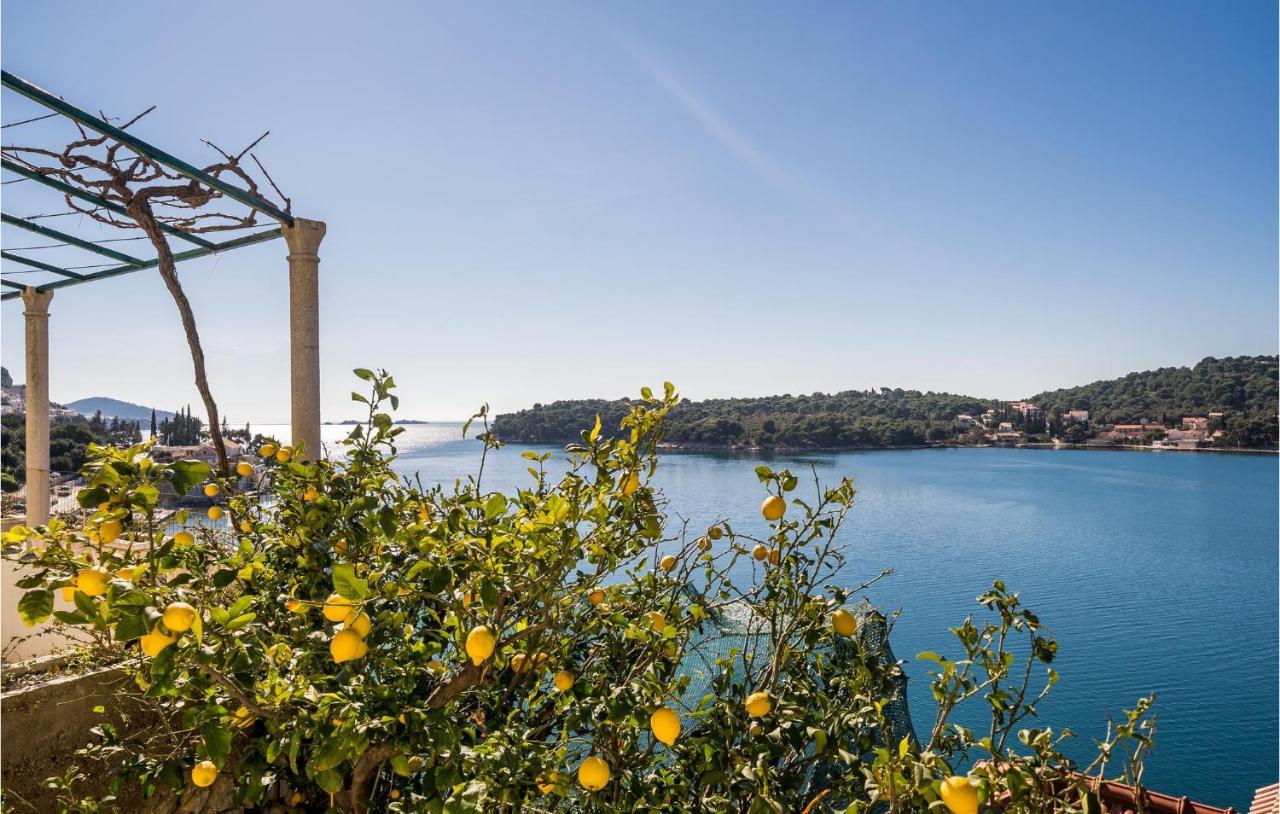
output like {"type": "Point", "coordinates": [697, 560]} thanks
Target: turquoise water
{"type": "Point", "coordinates": [1156, 571]}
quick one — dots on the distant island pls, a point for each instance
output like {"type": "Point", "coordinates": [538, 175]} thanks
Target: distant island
{"type": "Point", "coordinates": [1226, 403]}
{"type": "Point", "coordinates": [115, 408]}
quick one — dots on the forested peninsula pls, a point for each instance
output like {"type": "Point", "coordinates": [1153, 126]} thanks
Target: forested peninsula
{"type": "Point", "coordinates": [1228, 403]}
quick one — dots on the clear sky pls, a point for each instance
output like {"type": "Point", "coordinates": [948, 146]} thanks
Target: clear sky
{"type": "Point", "coordinates": [533, 201]}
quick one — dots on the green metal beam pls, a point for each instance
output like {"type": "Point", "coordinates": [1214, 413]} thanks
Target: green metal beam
{"type": "Point", "coordinates": [48, 100]}
{"type": "Point", "coordinates": [36, 264]}
{"type": "Point", "coordinates": [89, 197]}
{"type": "Point", "coordinates": [70, 240]}
{"type": "Point", "coordinates": [11, 285]}
{"type": "Point", "coordinates": [247, 240]}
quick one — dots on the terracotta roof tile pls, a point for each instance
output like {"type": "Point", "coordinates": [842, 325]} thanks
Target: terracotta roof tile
{"type": "Point", "coordinates": [1266, 800]}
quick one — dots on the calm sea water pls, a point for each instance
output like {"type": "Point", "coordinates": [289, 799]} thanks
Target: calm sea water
{"type": "Point", "coordinates": [1157, 572]}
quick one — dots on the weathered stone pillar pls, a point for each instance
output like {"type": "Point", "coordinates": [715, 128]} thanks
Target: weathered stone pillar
{"type": "Point", "coordinates": [37, 404]}
{"type": "Point", "coordinates": [304, 238]}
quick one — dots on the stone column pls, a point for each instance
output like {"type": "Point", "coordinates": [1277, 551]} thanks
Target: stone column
{"type": "Point", "coordinates": [304, 238]}
{"type": "Point", "coordinates": [37, 404]}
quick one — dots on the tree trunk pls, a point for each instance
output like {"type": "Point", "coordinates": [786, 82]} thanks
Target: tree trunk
{"type": "Point", "coordinates": [141, 213]}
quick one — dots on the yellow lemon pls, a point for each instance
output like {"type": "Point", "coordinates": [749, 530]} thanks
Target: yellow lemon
{"type": "Point", "coordinates": [178, 617]}
{"type": "Point", "coordinates": [540, 658]}
{"type": "Point", "coordinates": [715, 532]}
{"type": "Point", "coordinates": [337, 608]}
{"type": "Point", "coordinates": [756, 729]}
{"type": "Point", "coordinates": [760, 552]}
{"type": "Point", "coordinates": [758, 704]}
{"type": "Point", "coordinates": [593, 773]}
{"type": "Point", "coordinates": [480, 643]}
{"type": "Point", "coordinates": [346, 645]}
{"type": "Point", "coordinates": [773, 508]}
{"type": "Point", "coordinates": [154, 642]}
{"type": "Point", "coordinates": [959, 795]}
{"type": "Point", "coordinates": [93, 581]}
{"type": "Point", "coordinates": [204, 773]}
{"type": "Point", "coordinates": [630, 483]}
{"type": "Point", "coordinates": [704, 543]}
{"type": "Point", "coordinates": [842, 622]}
{"type": "Point", "coordinates": [267, 450]}
{"type": "Point", "coordinates": [563, 681]}
{"type": "Point", "coordinates": [361, 624]}
{"type": "Point", "coordinates": [244, 469]}
{"type": "Point", "coordinates": [341, 545]}
{"type": "Point", "coordinates": [183, 539]}
{"type": "Point", "coordinates": [775, 556]}
{"type": "Point", "coordinates": [211, 490]}
{"type": "Point", "coordinates": [665, 725]}
{"type": "Point", "coordinates": [310, 494]}
{"type": "Point", "coordinates": [520, 663]}
{"type": "Point", "coordinates": [668, 562]}
{"type": "Point", "coordinates": [284, 454]}
{"type": "Point", "coordinates": [215, 513]}
{"type": "Point", "coordinates": [658, 621]}
{"type": "Point", "coordinates": [395, 794]}
{"type": "Point", "coordinates": [596, 596]}
{"type": "Point", "coordinates": [109, 530]}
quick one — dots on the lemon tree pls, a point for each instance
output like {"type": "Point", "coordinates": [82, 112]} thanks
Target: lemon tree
{"type": "Point", "coordinates": [350, 640]}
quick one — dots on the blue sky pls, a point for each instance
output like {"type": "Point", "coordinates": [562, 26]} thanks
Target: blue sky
{"type": "Point", "coordinates": [547, 200]}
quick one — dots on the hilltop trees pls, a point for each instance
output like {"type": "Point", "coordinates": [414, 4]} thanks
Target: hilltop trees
{"type": "Point", "coordinates": [855, 418]}
{"type": "Point", "coordinates": [1244, 387]}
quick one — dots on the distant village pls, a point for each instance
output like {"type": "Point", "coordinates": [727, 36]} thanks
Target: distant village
{"type": "Point", "coordinates": [1022, 422]}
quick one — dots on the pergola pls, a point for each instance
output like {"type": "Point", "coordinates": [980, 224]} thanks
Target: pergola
{"type": "Point", "coordinates": [302, 237]}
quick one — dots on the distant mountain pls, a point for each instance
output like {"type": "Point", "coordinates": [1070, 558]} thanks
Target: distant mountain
{"type": "Point", "coordinates": [115, 408]}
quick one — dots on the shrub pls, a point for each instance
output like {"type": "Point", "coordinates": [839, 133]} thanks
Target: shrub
{"type": "Point", "coordinates": [363, 642]}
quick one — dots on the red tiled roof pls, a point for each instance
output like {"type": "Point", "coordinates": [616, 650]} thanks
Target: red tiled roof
{"type": "Point", "coordinates": [1266, 800]}
{"type": "Point", "coordinates": [1117, 798]}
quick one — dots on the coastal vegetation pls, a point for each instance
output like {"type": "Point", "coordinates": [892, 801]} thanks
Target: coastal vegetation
{"type": "Point", "coordinates": [1243, 388]}
{"type": "Point", "coordinates": [352, 641]}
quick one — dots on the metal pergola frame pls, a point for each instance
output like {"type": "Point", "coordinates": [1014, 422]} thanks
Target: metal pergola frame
{"type": "Point", "coordinates": [128, 264]}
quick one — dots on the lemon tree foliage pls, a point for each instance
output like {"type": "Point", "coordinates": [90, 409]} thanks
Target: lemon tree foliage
{"type": "Point", "coordinates": [364, 643]}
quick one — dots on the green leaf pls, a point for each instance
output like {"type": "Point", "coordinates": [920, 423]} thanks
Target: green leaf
{"type": "Point", "coordinates": [330, 780]}
{"type": "Point", "coordinates": [86, 605]}
{"type": "Point", "coordinates": [347, 584]}
{"type": "Point", "coordinates": [241, 620]}
{"type": "Point", "coordinates": [330, 755]}
{"type": "Point", "coordinates": [489, 594]}
{"type": "Point", "coordinates": [494, 505]}
{"type": "Point", "coordinates": [363, 373]}
{"type": "Point", "coordinates": [35, 607]}
{"type": "Point", "coordinates": [132, 599]}
{"type": "Point", "coordinates": [595, 431]}
{"type": "Point", "coordinates": [187, 474]}
{"type": "Point", "coordinates": [217, 740]}
{"type": "Point", "coordinates": [131, 626]}
{"type": "Point", "coordinates": [387, 520]}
